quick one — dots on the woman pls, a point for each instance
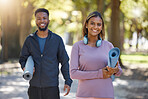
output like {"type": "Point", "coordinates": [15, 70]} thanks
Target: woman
{"type": "Point", "coordinates": [89, 59]}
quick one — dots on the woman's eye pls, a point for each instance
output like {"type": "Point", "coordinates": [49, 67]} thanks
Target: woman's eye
{"type": "Point", "coordinates": [92, 23]}
{"type": "Point", "coordinates": [99, 24]}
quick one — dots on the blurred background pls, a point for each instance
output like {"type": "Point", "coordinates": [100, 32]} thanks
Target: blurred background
{"type": "Point", "coordinates": [126, 26]}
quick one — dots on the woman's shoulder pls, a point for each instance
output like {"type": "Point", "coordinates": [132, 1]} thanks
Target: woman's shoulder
{"type": "Point", "coordinates": [79, 43]}
{"type": "Point", "coordinates": [107, 43]}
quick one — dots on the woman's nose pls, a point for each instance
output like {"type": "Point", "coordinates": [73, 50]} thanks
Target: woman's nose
{"type": "Point", "coordinates": [96, 26]}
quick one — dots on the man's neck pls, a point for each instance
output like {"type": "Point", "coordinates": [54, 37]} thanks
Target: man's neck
{"type": "Point", "coordinates": [42, 34]}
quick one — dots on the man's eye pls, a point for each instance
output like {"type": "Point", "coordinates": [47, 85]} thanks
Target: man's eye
{"type": "Point", "coordinates": [44, 18]}
{"type": "Point", "coordinates": [92, 23]}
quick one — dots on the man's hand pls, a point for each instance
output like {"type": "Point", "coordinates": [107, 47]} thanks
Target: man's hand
{"type": "Point", "coordinates": [68, 89]}
{"type": "Point", "coordinates": [23, 68]}
{"type": "Point", "coordinates": [33, 69]}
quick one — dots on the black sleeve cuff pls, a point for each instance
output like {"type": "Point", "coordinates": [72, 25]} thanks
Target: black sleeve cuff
{"type": "Point", "coordinates": [68, 82]}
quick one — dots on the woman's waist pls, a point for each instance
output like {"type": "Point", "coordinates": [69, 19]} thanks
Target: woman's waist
{"type": "Point", "coordinates": [95, 88]}
{"type": "Point", "coordinates": [95, 83]}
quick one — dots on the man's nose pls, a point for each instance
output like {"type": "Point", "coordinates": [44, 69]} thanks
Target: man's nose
{"type": "Point", "coordinates": [42, 20]}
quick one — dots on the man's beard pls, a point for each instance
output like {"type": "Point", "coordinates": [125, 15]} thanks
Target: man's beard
{"type": "Point", "coordinates": [42, 29]}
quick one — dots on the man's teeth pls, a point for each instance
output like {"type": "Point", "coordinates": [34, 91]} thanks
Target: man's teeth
{"type": "Point", "coordinates": [42, 24]}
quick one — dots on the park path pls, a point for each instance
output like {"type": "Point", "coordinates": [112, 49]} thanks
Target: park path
{"type": "Point", "coordinates": [13, 86]}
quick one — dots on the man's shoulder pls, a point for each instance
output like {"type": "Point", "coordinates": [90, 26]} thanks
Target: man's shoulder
{"type": "Point", "coordinates": [56, 36]}
{"type": "Point", "coordinates": [30, 36]}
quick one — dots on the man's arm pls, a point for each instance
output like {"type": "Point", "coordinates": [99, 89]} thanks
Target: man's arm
{"type": "Point", "coordinates": [24, 54]}
{"type": "Point", "coordinates": [64, 60]}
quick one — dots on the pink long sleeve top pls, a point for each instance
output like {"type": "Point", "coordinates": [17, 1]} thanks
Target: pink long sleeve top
{"type": "Point", "coordinates": [86, 65]}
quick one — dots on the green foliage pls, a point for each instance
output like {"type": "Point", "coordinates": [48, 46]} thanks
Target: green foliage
{"type": "Point", "coordinates": [107, 15]}
{"type": "Point", "coordinates": [62, 18]}
{"type": "Point", "coordinates": [136, 15]}
{"type": "Point", "coordinates": [85, 5]}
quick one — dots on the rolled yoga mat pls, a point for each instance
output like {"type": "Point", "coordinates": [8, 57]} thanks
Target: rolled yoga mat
{"type": "Point", "coordinates": [28, 72]}
{"type": "Point", "coordinates": [114, 54]}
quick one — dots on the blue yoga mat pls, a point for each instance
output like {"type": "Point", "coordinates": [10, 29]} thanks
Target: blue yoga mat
{"type": "Point", "coordinates": [114, 54]}
{"type": "Point", "coordinates": [28, 72]}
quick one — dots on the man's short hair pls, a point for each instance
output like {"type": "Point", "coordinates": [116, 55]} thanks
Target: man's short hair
{"type": "Point", "coordinates": [41, 10]}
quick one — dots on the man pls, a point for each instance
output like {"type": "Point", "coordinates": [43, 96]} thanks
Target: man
{"type": "Point", "coordinates": [47, 50]}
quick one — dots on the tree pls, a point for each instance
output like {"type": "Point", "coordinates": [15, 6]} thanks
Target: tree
{"type": "Point", "coordinates": [10, 37]}
{"type": "Point", "coordinates": [135, 18]}
{"type": "Point", "coordinates": [100, 6]}
{"type": "Point", "coordinates": [115, 25]}
{"type": "Point", "coordinates": [26, 12]}
{"type": "Point", "coordinates": [16, 25]}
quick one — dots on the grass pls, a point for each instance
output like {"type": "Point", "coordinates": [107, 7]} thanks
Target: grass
{"type": "Point", "coordinates": [135, 58]}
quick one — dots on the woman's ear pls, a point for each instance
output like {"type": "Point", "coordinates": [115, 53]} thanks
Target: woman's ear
{"type": "Point", "coordinates": [86, 25]}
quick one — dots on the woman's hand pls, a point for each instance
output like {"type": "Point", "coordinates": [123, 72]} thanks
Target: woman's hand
{"type": "Point", "coordinates": [116, 69]}
{"type": "Point", "coordinates": [108, 71]}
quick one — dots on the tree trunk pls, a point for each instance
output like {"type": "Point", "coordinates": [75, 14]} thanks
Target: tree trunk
{"type": "Point", "coordinates": [69, 38]}
{"type": "Point", "coordinates": [25, 22]}
{"type": "Point", "coordinates": [100, 6]}
{"type": "Point", "coordinates": [138, 35]}
{"type": "Point", "coordinates": [115, 25]}
{"type": "Point", "coordinates": [84, 14]}
{"type": "Point", "coordinates": [4, 38]}
{"type": "Point", "coordinates": [10, 38]}
{"type": "Point", "coordinates": [130, 36]}
{"type": "Point", "coordinates": [122, 32]}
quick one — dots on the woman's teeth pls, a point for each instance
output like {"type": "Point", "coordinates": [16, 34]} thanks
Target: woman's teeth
{"type": "Point", "coordinates": [94, 30]}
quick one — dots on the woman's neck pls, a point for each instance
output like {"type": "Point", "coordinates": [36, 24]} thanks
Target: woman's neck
{"type": "Point", "coordinates": [92, 41]}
